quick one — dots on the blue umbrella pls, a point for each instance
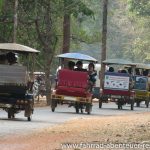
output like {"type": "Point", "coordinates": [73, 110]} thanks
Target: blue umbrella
{"type": "Point", "coordinates": [77, 56]}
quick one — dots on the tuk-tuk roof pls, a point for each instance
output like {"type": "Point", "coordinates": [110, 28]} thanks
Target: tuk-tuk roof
{"type": "Point", "coordinates": [77, 56]}
{"type": "Point", "coordinates": [17, 48]}
{"type": "Point", "coordinates": [117, 62]}
{"type": "Point", "coordinates": [141, 65]}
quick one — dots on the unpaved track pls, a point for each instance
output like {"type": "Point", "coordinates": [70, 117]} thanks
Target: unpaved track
{"type": "Point", "coordinates": [43, 117]}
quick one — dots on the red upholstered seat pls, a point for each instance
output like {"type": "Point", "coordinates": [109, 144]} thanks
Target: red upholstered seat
{"type": "Point", "coordinates": [72, 83]}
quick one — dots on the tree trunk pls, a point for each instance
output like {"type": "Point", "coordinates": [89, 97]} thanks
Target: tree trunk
{"type": "Point", "coordinates": [104, 41]}
{"type": "Point", "coordinates": [15, 21]}
{"type": "Point", "coordinates": [66, 34]}
{"type": "Point", "coordinates": [48, 86]}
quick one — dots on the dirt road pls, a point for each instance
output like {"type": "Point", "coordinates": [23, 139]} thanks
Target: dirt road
{"type": "Point", "coordinates": [47, 131]}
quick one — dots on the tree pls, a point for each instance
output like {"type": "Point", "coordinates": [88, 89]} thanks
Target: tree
{"type": "Point", "coordinates": [140, 7]}
{"type": "Point", "coordinates": [38, 27]}
{"type": "Point", "coordinates": [6, 21]}
{"type": "Point", "coordinates": [15, 20]}
{"type": "Point", "coordinates": [104, 40]}
{"type": "Point", "coordinates": [77, 8]}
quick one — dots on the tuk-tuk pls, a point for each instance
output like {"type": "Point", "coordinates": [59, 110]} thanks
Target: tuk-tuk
{"type": "Point", "coordinates": [141, 84]}
{"type": "Point", "coordinates": [72, 86]}
{"type": "Point", "coordinates": [15, 84]}
{"type": "Point", "coordinates": [117, 86]}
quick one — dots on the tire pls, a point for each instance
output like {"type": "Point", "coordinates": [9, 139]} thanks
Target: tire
{"type": "Point", "coordinates": [29, 118]}
{"type": "Point", "coordinates": [138, 103]}
{"type": "Point", "coordinates": [119, 104]}
{"type": "Point", "coordinates": [132, 104]}
{"type": "Point", "coordinates": [88, 113]}
{"type": "Point", "coordinates": [147, 103]}
{"type": "Point", "coordinates": [88, 108]}
{"type": "Point", "coordinates": [9, 115]}
{"type": "Point", "coordinates": [77, 107]}
{"type": "Point", "coordinates": [53, 109]}
{"type": "Point", "coordinates": [53, 105]}
{"type": "Point", "coordinates": [100, 103]}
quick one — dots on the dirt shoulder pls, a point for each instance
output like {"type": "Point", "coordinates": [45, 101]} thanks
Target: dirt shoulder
{"type": "Point", "coordinates": [97, 130]}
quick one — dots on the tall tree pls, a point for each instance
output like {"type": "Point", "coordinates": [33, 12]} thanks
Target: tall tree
{"type": "Point", "coordinates": [38, 24]}
{"type": "Point", "coordinates": [104, 40]}
{"type": "Point", "coordinates": [66, 28]}
{"type": "Point", "coordinates": [140, 7]}
{"type": "Point", "coordinates": [15, 21]}
{"type": "Point", "coordinates": [76, 8]}
{"type": "Point", "coordinates": [6, 21]}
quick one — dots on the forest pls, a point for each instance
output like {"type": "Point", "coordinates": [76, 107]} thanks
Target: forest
{"type": "Point", "coordinates": [59, 26]}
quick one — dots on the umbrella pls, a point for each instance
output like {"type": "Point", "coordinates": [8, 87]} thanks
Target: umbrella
{"type": "Point", "coordinates": [77, 56]}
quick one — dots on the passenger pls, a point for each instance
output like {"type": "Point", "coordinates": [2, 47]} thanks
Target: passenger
{"type": "Point", "coordinates": [137, 71]}
{"type": "Point", "coordinates": [79, 65]}
{"type": "Point", "coordinates": [11, 57]}
{"type": "Point", "coordinates": [145, 72]}
{"type": "Point", "coordinates": [111, 69]}
{"type": "Point", "coordinates": [123, 71]}
{"type": "Point", "coordinates": [71, 65]}
{"type": "Point", "coordinates": [92, 73]}
{"type": "Point", "coordinates": [130, 71]}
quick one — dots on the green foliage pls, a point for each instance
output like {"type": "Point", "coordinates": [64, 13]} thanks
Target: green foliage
{"type": "Point", "coordinates": [6, 18]}
{"type": "Point", "coordinates": [140, 7]}
{"type": "Point", "coordinates": [76, 7]}
{"type": "Point", "coordinates": [1, 5]}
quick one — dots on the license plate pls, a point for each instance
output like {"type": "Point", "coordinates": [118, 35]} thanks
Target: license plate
{"type": "Point", "coordinates": [69, 98]}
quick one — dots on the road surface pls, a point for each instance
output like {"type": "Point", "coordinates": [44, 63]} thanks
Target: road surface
{"type": "Point", "coordinates": [43, 117]}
